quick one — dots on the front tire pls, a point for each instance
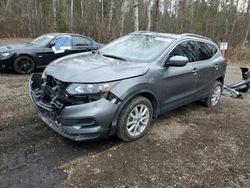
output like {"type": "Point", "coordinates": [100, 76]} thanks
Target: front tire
{"type": "Point", "coordinates": [134, 119]}
{"type": "Point", "coordinates": [23, 65]}
{"type": "Point", "coordinates": [214, 95]}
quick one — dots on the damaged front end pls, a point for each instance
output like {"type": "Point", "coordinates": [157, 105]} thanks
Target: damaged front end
{"type": "Point", "coordinates": [241, 86]}
{"type": "Point", "coordinates": [78, 118]}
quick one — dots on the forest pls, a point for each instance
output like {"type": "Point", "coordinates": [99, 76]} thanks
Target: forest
{"type": "Point", "coordinates": [104, 20]}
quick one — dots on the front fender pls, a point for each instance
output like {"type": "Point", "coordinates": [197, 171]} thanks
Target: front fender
{"type": "Point", "coordinates": [129, 93]}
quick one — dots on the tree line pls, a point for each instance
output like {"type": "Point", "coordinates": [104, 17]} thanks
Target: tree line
{"type": "Point", "coordinates": [104, 20]}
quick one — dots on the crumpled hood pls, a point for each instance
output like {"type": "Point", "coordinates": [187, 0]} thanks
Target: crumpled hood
{"type": "Point", "coordinates": [14, 46]}
{"type": "Point", "coordinates": [93, 68]}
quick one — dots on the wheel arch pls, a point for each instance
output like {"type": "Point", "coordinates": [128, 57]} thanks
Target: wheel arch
{"type": "Point", "coordinates": [145, 93]}
{"type": "Point", "coordinates": [220, 79]}
{"type": "Point", "coordinates": [152, 98]}
{"type": "Point", "coordinates": [24, 54]}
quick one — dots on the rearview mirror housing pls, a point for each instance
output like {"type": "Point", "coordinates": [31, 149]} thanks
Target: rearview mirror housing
{"type": "Point", "coordinates": [51, 44]}
{"type": "Point", "coordinates": [177, 61]}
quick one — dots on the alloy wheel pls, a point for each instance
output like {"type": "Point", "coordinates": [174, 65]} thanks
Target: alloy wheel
{"type": "Point", "coordinates": [24, 65]}
{"type": "Point", "coordinates": [216, 95]}
{"type": "Point", "coordinates": [138, 120]}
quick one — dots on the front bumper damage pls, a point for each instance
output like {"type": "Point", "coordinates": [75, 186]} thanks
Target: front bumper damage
{"type": "Point", "coordinates": [241, 86]}
{"type": "Point", "coordinates": [79, 122]}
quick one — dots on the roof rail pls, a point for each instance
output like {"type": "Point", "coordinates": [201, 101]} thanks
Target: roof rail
{"type": "Point", "coordinates": [194, 35]}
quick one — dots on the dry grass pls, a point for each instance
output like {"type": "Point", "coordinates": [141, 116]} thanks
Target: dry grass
{"type": "Point", "coordinates": [240, 55]}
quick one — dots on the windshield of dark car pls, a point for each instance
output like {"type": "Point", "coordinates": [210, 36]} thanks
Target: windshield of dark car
{"type": "Point", "coordinates": [42, 40]}
{"type": "Point", "coordinates": [137, 47]}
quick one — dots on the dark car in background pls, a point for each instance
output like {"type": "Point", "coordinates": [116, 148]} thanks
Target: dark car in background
{"type": "Point", "coordinates": [119, 88]}
{"type": "Point", "coordinates": [25, 57]}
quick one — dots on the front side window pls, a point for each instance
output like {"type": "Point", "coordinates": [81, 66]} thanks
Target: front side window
{"type": "Point", "coordinates": [137, 47]}
{"type": "Point", "coordinates": [81, 41]}
{"type": "Point", "coordinates": [186, 49]}
{"type": "Point", "coordinates": [62, 42]}
{"type": "Point", "coordinates": [205, 51]}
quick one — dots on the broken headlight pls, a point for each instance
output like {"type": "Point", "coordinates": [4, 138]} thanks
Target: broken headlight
{"type": "Point", "coordinates": [83, 89]}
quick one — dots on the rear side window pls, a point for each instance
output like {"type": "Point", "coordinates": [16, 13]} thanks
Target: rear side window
{"type": "Point", "coordinates": [186, 49]}
{"type": "Point", "coordinates": [205, 51]}
{"type": "Point", "coordinates": [81, 41]}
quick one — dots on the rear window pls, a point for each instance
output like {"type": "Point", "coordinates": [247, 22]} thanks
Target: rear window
{"type": "Point", "coordinates": [81, 41]}
{"type": "Point", "coordinates": [205, 51]}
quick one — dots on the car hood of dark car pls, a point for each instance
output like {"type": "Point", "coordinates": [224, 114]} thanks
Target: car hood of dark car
{"type": "Point", "coordinates": [93, 68]}
{"type": "Point", "coordinates": [15, 46]}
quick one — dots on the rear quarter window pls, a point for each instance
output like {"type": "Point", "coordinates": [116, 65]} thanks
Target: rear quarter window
{"type": "Point", "coordinates": [206, 51]}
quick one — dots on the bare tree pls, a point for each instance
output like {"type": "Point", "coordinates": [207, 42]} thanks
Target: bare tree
{"type": "Point", "coordinates": [122, 16]}
{"type": "Point", "coordinates": [7, 7]}
{"type": "Point", "coordinates": [149, 14]}
{"type": "Point", "coordinates": [82, 15]}
{"type": "Point", "coordinates": [106, 19]}
{"type": "Point", "coordinates": [82, 10]}
{"type": "Point", "coordinates": [235, 17]}
{"type": "Point", "coordinates": [102, 10]}
{"type": "Point", "coordinates": [156, 16]}
{"type": "Point", "coordinates": [136, 15]}
{"type": "Point", "coordinates": [54, 12]}
{"type": "Point", "coordinates": [110, 14]}
{"type": "Point", "coordinates": [248, 23]}
{"type": "Point", "coordinates": [71, 15]}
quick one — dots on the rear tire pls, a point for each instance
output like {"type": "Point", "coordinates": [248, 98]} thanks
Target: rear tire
{"type": "Point", "coordinates": [214, 95]}
{"type": "Point", "coordinates": [23, 65]}
{"type": "Point", "coordinates": [134, 119]}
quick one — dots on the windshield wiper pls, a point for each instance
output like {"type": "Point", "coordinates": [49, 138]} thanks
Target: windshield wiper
{"type": "Point", "coordinates": [113, 56]}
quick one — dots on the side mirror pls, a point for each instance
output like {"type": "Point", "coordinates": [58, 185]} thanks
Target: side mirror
{"type": "Point", "coordinates": [177, 61]}
{"type": "Point", "coordinates": [51, 44]}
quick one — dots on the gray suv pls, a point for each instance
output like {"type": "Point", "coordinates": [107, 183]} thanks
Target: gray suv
{"type": "Point", "coordinates": [121, 87]}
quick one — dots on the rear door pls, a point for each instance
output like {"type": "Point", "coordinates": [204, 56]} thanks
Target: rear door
{"type": "Point", "coordinates": [206, 65]}
{"type": "Point", "coordinates": [82, 44]}
{"type": "Point", "coordinates": [179, 83]}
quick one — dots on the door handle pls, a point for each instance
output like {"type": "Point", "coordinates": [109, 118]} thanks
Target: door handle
{"type": "Point", "coordinates": [194, 71]}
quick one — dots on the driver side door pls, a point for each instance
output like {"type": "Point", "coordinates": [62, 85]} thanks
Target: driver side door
{"type": "Point", "coordinates": [62, 45]}
{"type": "Point", "coordinates": [179, 83]}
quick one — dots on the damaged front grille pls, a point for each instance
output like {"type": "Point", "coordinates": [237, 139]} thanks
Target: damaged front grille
{"type": "Point", "coordinates": [51, 94]}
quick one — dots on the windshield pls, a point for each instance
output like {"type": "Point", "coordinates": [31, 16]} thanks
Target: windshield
{"type": "Point", "coordinates": [42, 40]}
{"type": "Point", "coordinates": [137, 47]}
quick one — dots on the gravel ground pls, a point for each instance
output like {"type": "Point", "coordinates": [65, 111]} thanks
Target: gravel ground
{"type": "Point", "coordinates": [192, 146]}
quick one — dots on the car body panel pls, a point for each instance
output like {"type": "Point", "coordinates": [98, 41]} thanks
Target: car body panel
{"type": "Point", "coordinates": [80, 68]}
{"type": "Point", "coordinates": [208, 70]}
{"type": "Point", "coordinates": [178, 83]}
